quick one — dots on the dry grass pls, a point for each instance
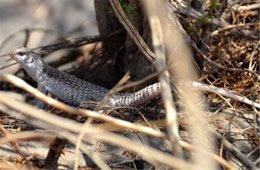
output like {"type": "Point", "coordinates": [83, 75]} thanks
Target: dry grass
{"type": "Point", "coordinates": [196, 131]}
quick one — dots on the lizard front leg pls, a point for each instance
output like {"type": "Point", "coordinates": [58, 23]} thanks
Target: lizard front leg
{"type": "Point", "coordinates": [37, 102]}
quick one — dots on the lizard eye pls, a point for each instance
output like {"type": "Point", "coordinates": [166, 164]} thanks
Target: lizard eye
{"type": "Point", "coordinates": [21, 53]}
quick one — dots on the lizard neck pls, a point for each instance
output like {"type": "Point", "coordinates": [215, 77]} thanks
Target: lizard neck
{"type": "Point", "coordinates": [37, 70]}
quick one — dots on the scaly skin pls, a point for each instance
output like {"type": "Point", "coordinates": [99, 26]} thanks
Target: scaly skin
{"type": "Point", "coordinates": [73, 90]}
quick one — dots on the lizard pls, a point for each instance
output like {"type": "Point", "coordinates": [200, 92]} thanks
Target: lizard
{"type": "Point", "coordinates": [73, 90]}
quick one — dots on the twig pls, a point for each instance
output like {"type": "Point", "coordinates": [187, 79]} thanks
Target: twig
{"type": "Point", "coordinates": [79, 142]}
{"type": "Point", "coordinates": [246, 7]}
{"type": "Point", "coordinates": [5, 55]}
{"type": "Point", "coordinates": [214, 33]}
{"type": "Point", "coordinates": [97, 108]}
{"type": "Point", "coordinates": [139, 82]}
{"type": "Point", "coordinates": [242, 158]}
{"type": "Point", "coordinates": [26, 30]}
{"type": "Point", "coordinates": [184, 70]}
{"type": "Point", "coordinates": [132, 31]}
{"type": "Point", "coordinates": [55, 150]}
{"type": "Point", "coordinates": [8, 65]}
{"type": "Point", "coordinates": [27, 136]}
{"type": "Point", "coordinates": [14, 144]}
{"type": "Point", "coordinates": [87, 123]}
{"type": "Point", "coordinates": [146, 151]}
{"type": "Point", "coordinates": [112, 91]}
{"type": "Point", "coordinates": [158, 43]}
{"type": "Point", "coordinates": [223, 92]}
{"type": "Point", "coordinates": [73, 43]}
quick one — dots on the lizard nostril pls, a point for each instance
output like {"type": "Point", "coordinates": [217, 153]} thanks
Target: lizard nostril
{"type": "Point", "coordinates": [12, 54]}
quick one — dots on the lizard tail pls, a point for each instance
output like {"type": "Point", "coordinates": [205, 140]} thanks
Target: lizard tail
{"type": "Point", "coordinates": [137, 98]}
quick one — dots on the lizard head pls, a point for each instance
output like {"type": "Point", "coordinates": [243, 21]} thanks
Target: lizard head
{"type": "Point", "coordinates": [25, 57]}
{"type": "Point", "coordinates": [22, 55]}
{"type": "Point", "coordinates": [29, 60]}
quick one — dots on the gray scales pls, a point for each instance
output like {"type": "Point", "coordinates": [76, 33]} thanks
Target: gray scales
{"type": "Point", "coordinates": [73, 90]}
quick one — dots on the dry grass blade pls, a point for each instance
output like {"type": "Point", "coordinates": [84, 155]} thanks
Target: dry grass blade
{"type": "Point", "coordinates": [27, 136]}
{"type": "Point", "coordinates": [15, 145]}
{"type": "Point", "coordinates": [223, 92]}
{"type": "Point", "coordinates": [5, 55]}
{"type": "Point", "coordinates": [181, 57]}
{"type": "Point", "coordinates": [97, 108]}
{"type": "Point", "coordinates": [8, 66]}
{"type": "Point", "coordinates": [158, 43]}
{"type": "Point", "coordinates": [113, 91]}
{"type": "Point", "coordinates": [27, 32]}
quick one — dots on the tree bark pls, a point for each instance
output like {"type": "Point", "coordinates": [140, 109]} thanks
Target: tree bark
{"type": "Point", "coordinates": [129, 59]}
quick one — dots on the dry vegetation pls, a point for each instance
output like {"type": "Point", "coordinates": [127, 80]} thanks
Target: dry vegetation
{"type": "Point", "coordinates": [212, 126]}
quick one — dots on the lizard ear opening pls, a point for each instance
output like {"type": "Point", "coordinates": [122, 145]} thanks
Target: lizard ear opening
{"type": "Point", "coordinates": [30, 60]}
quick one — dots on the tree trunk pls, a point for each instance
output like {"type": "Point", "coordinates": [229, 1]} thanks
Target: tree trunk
{"type": "Point", "coordinates": [130, 58]}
